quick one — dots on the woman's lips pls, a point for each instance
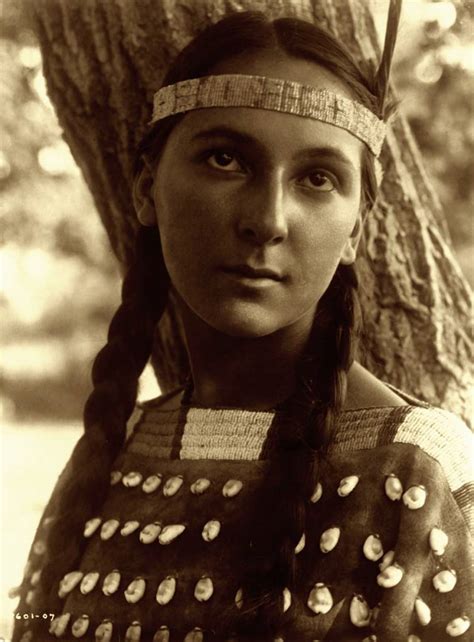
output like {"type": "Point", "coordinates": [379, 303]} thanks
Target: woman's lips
{"type": "Point", "coordinates": [251, 273]}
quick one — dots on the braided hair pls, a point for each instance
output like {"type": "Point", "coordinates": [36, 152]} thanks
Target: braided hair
{"type": "Point", "coordinates": [115, 374]}
{"type": "Point", "coordinates": [322, 372]}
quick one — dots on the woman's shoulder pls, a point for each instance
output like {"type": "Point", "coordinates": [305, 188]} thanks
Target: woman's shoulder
{"type": "Point", "coordinates": [394, 416]}
{"type": "Point", "coordinates": [404, 428]}
{"type": "Point", "coordinates": [364, 390]}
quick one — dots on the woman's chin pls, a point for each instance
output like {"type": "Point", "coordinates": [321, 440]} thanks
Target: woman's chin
{"type": "Point", "coordinates": [244, 328]}
{"type": "Point", "coordinates": [245, 321]}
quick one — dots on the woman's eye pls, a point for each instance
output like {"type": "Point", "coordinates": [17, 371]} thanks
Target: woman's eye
{"type": "Point", "coordinates": [319, 181]}
{"type": "Point", "coordinates": [224, 161]}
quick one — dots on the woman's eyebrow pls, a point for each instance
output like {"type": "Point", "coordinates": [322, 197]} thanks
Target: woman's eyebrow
{"type": "Point", "coordinates": [328, 153]}
{"type": "Point", "coordinates": [224, 132]}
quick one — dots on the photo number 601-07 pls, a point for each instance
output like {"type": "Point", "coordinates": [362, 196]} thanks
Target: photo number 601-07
{"type": "Point", "coordinates": [33, 616]}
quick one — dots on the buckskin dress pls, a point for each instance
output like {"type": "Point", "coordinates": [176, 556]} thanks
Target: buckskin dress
{"type": "Point", "coordinates": [385, 554]}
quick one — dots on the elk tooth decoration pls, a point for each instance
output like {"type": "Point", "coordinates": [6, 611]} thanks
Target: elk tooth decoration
{"type": "Point", "coordinates": [203, 589]}
{"type": "Point", "coordinates": [415, 497]}
{"type": "Point", "coordinates": [211, 530]}
{"type": "Point", "coordinates": [239, 598]}
{"type": "Point", "coordinates": [232, 487]}
{"type": "Point", "coordinates": [200, 486]}
{"type": "Point", "coordinates": [111, 583]}
{"type": "Point", "coordinates": [413, 638]}
{"type": "Point", "coordinates": [150, 532]}
{"type": "Point", "coordinates": [135, 590]}
{"type": "Point", "coordinates": [329, 539]}
{"type": "Point", "coordinates": [347, 485]}
{"type": "Point", "coordinates": [134, 632]}
{"type": "Point", "coordinates": [320, 599]}
{"type": "Point", "coordinates": [132, 479]}
{"type": "Point", "coordinates": [373, 549]}
{"type": "Point", "coordinates": [53, 625]}
{"type": "Point", "coordinates": [69, 582]}
{"type": "Point", "coordinates": [196, 635]}
{"type": "Point", "coordinates": [35, 578]}
{"type": "Point", "coordinates": [129, 527]}
{"type": "Point", "coordinates": [301, 544]}
{"type": "Point", "coordinates": [29, 598]}
{"type": "Point", "coordinates": [59, 624]}
{"type": "Point", "coordinates": [151, 483]}
{"type": "Point", "coordinates": [80, 626]}
{"type": "Point", "coordinates": [39, 547]}
{"type": "Point", "coordinates": [170, 533]}
{"type": "Point", "coordinates": [162, 635]}
{"type": "Point", "coordinates": [91, 526]}
{"type": "Point", "coordinates": [172, 485]}
{"type": "Point", "coordinates": [423, 611]}
{"type": "Point", "coordinates": [445, 581]}
{"type": "Point", "coordinates": [359, 611]}
{"type": "Point", "coordinates": [387, 560]}
{"type": "Point", "coordinates": [27, 636]}
{"type": "Point", "coordinates": [286, 599]}
{"type": "Point", "coordinates": [317, 493]}
{"type": "Point", "coordinates": [438, 541]}
{"type": "Point", "coordinates": [393, 487]}
{"type": "Point", "coordinates": [115, 477]}
{"type": "Point", "coordinates": [370, 638]}
{"type": "Point", "coordinates": [108, 529]}
{"type": "Point", "coordinates": [103, 632]}
{"type": "Point", "coordinates": [89, 582]}
{"type": "Point", "coordinates": [166, 590]}
{"type": "Point", "coordinates": [390, 576]}
{"type": "Point", "coordinates": [458, 626]}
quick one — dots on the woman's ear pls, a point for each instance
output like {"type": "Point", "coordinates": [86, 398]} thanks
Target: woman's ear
{"type": "Point", "coordinates": [349, 252]}
{"type": "Point", "coordinates": [142, 196]}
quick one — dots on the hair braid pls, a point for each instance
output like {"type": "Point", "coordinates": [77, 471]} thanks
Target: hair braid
{"type": "Point", "coordinates": [115, 374]}
{"type": "Point", "coordinates": [303, 440]}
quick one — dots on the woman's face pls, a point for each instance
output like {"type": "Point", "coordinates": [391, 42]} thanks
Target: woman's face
{"type": "Point", "coordinates": [255, 208]}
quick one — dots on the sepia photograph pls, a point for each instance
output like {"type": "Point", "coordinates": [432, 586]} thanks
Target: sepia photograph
{"type": "Point", "coordinates": [236, 349]}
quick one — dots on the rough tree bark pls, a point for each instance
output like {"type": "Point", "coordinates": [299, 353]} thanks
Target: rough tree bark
{"type": "Point", "coordinates": [103, 60]}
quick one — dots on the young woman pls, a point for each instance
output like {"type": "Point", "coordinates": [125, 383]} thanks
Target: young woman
{"type": "Point", "coordinates": [286, 493]}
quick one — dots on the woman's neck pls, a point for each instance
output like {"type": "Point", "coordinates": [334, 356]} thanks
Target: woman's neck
{"type": "Point", "coordinates": [256, 373]}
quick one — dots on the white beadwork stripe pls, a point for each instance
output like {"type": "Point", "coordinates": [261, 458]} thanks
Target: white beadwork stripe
{"type": "Point", "coordinates": [274, 94]}
{"type": "Point", "coordinates": [224, 434]}
{"type": "Point", "coordinates": [445, 438]}
{"type": "Point", "coordinates": [463, 497]}
{"type": "Point", "coordinates": [240, 434]}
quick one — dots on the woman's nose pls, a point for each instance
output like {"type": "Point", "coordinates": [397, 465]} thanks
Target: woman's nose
{"type": "Point", "coordinates": [262, 213]}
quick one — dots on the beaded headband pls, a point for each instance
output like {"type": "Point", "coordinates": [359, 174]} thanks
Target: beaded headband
{"type": "Point", "coordinates": [274, 94]}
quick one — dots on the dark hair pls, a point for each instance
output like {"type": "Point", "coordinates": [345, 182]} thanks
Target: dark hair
{"type": "Point", "coordinates": [322, 372]}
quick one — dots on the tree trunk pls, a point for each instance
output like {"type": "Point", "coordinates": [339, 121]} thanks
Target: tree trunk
{"type": "Point", "coordinates": [104, 59]}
